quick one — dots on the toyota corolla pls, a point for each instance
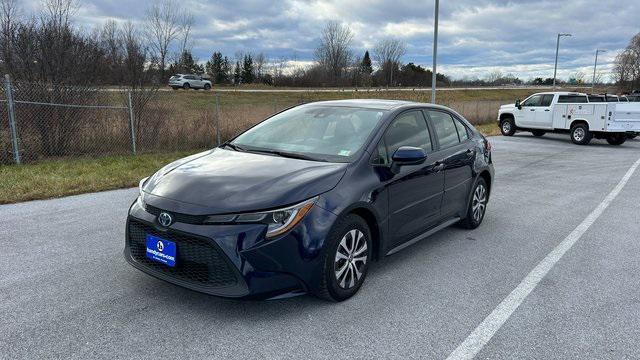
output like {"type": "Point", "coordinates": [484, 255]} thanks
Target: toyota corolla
{"type": "Point", "coordinates": [304, 201]}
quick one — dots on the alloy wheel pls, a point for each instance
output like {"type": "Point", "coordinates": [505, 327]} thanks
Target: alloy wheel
{"type": "Point", "coordinates": [479, 203]}
{"type": "Point", "coordinates": [506, 127]}
{"type": "Point", "coordinates": [351, 258]}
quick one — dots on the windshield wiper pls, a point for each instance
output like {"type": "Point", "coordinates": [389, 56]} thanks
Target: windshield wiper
{"type": "Point", "coordinates": [234, 146]}
{"type": "Point", "coordinates": [288, 155]}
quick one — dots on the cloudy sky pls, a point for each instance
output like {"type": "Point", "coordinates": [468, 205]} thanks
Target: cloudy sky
{"type": "Point", "coordinates": [475, 36]}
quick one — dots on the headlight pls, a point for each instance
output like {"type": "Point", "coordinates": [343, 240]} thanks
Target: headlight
{"type": "Point", "coordinates": [278, 221]}
{"type": "Point", "coordinates": [141, 193]}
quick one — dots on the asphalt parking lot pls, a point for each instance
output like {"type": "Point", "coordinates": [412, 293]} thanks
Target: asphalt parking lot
{"type": "Point", "coordinates": [66, 291]}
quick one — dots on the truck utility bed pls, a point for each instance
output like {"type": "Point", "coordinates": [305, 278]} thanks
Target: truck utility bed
{"type": "Point", "coordinates": [609, 117]}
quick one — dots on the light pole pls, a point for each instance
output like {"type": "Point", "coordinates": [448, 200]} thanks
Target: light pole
{"type": "Point", "coordinates": [595, 64]}
{"type": "Point", "coordinates": [435, 53]}
{"type": "Point", "coordinates": [555, 68]}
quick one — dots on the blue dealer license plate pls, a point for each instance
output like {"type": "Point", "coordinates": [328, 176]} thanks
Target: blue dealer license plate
{"type": "Point", "coordinates": [161, 250]}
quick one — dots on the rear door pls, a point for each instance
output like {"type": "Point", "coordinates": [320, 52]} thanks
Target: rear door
{"type": "Point", "coordinates": [543, 114]}
{"type": "Point", "coordinates": [456, 153]}
{"type": "Point", "coordinates": [415, 193]}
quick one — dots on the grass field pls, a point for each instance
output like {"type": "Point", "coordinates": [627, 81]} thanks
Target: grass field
{"type": "Point", "coordinates": [63, 177]}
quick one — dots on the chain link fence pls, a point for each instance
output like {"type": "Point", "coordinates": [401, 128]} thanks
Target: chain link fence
{"type": "Point", "coordinates": [44, 121]}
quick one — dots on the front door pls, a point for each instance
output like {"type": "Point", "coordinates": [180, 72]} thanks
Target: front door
{"type": "Point", "coordinates": [415, 193]}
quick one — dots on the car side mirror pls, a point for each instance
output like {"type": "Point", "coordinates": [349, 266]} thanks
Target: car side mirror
{"type": "Point", "coordinates": [518, 104]}
{"type": "Point", "coordinates": [407, 155]}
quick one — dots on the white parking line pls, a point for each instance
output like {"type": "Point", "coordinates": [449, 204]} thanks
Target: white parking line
{"type": "Point", "coordinates": [482, 334]}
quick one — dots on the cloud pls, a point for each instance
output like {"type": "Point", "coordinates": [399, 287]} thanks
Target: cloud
{"type": "Point", "coordinates": [475, 36]}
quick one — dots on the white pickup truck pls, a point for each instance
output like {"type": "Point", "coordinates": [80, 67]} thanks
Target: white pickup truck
{"type": "Point", "coordinates": [570, 112]}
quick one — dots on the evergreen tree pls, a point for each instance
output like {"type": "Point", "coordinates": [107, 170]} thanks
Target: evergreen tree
{"type": "Point", "coordinates": [187, 64]}
{"type": "Point", "coordinates": [214, 68]}
{"type": "Point", "coordinates": [366, 64]}
{"type": "Point", "coordinates": [247, 70]}
{"type": "Point", "coordinates": [226, 70]}
{"type": "Point", "coordinates": [237, 73]}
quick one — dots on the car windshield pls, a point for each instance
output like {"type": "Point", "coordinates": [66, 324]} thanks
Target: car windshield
{"type": "Point", "coordinates": [323, 133]}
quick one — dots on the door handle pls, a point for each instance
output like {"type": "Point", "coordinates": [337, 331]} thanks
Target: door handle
{"type": "Point", "coordinates": [438, 166]}
{"type": "Point", "coordinates": [532, 109]}
{"type": "Point", "coordinates": [547, 110]}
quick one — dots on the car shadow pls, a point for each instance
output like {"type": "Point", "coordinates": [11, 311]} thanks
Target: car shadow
{"type": "Point", "coordinates": [564, 138]}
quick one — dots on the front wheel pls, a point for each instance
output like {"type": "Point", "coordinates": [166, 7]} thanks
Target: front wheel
{"type": "Point", "coordinates": [207, 87]}
{"type": "Point", "coordinates": [616, 139]}
{"type": "Point", "coordinates": [186, 86]}
{"type": "Point", "coordinates": [477, 206]}
{"type": "Point", "coordinates": [580, 134]}
{"type": "Point", "coordinates": [347, 259]}
{"type": "Point", "coordinates": [507, 126]}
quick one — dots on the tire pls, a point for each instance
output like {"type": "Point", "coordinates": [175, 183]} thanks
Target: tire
{"type": "Point", "coordinates": [207, 87]}
{"type": "Point", "coordinates": [580, 134]}
{"type": "Point", "coordinates": [340, 287]}
{"type": "Point", "coordinates": [538, 133]}
{"type": "Point", "coordinates": [616, 139]}
{"type": "Point", "coordinates": [507, 126]}
{"type": "Point", "coordinates": [186, 86]}
{"type": "Point", "coordinates": [477, 205]}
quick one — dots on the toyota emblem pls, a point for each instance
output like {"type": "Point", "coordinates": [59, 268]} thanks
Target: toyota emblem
{"type": "Point", "coordinates": [165, 219]}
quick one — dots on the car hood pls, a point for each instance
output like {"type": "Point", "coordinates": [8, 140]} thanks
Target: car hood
{"type": "Point", "coordinates": [507, 106]}
{"type": "Point", "coordinates": [224, 181]}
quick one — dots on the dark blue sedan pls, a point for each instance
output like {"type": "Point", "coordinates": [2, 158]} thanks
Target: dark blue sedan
{"type": "Point", "coordinates": [304, 201]}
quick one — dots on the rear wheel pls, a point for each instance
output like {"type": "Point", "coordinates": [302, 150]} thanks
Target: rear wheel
{"type": "Point", "coordinates": [347, 259]}
{"type": "Point", "coordinates": [538, 132]}
{"type": "Point", "coordinates": [507, 126]}
{"type": "Point", "coordinates": [616, 139]}
{"type": "Point", "coordinates": [477, 205]}
{"type": "Point", "coordinates": [580, 134]}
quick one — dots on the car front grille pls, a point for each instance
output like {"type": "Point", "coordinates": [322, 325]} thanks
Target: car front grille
{"type": "Point", "coordinates": [177, 217]}
{"type": "Point", "coordinates": [198, 261]}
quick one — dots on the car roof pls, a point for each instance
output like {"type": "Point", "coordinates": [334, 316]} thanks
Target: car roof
{"type": "Point", "coordinates": [379, 104]}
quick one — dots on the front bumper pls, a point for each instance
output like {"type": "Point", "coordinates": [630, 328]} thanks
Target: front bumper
{"type": "Point", "coordinates": [233, 260]}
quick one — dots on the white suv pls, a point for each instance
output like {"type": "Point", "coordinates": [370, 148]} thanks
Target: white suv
{"type": "Point", "coordinates": [187, 81]}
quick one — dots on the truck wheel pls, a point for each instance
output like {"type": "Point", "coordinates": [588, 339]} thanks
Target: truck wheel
{"type": "Point", "coordinates": [580, 134]}
{"type": "Point", "coordinates": [507, 126]}
{"type": "Point", "coordinates": [616, 139]}
{"type": "Point", "coordinates": [538, 132]}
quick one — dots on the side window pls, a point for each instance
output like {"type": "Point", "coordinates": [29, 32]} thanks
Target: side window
{"type": "Point", "coordinates": [445, 128]}
{"type": "Point", "coordinates": [408, 129]}
{"type": "Point", "coordinates": [463, 134]}
{"type": "Point", "coordinates": [546, 100]}
{"type": "Point", "coordinates": [572, 99]}
{"type": "Point", "coordinates": [533, 101]}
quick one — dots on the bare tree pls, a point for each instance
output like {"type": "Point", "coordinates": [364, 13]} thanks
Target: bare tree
{"type": "Point", "coordinates": [59, 12]}
{"type": "Point", "coordinates": [387, 54]}
{"type": "Point", "coordinates": [164, 25]}
{"type": "Point", "coordinates": [259, 62]}
{"type": "Point", "coordinates": [627, 65]}
{"type": "Point", "coordinates": [334, 52]}
{"type": "Point", "coordinates": [9, 20]}
{"type": "Point", "coordinates": [186, 25]}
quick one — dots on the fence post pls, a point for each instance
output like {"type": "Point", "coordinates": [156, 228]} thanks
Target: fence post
{"type": "Point", "coordinates": [217, 119]}
{"type": "Point", "coordinates": [12, 118]}
{"type": "Point", "coordinates": [131, 124]}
